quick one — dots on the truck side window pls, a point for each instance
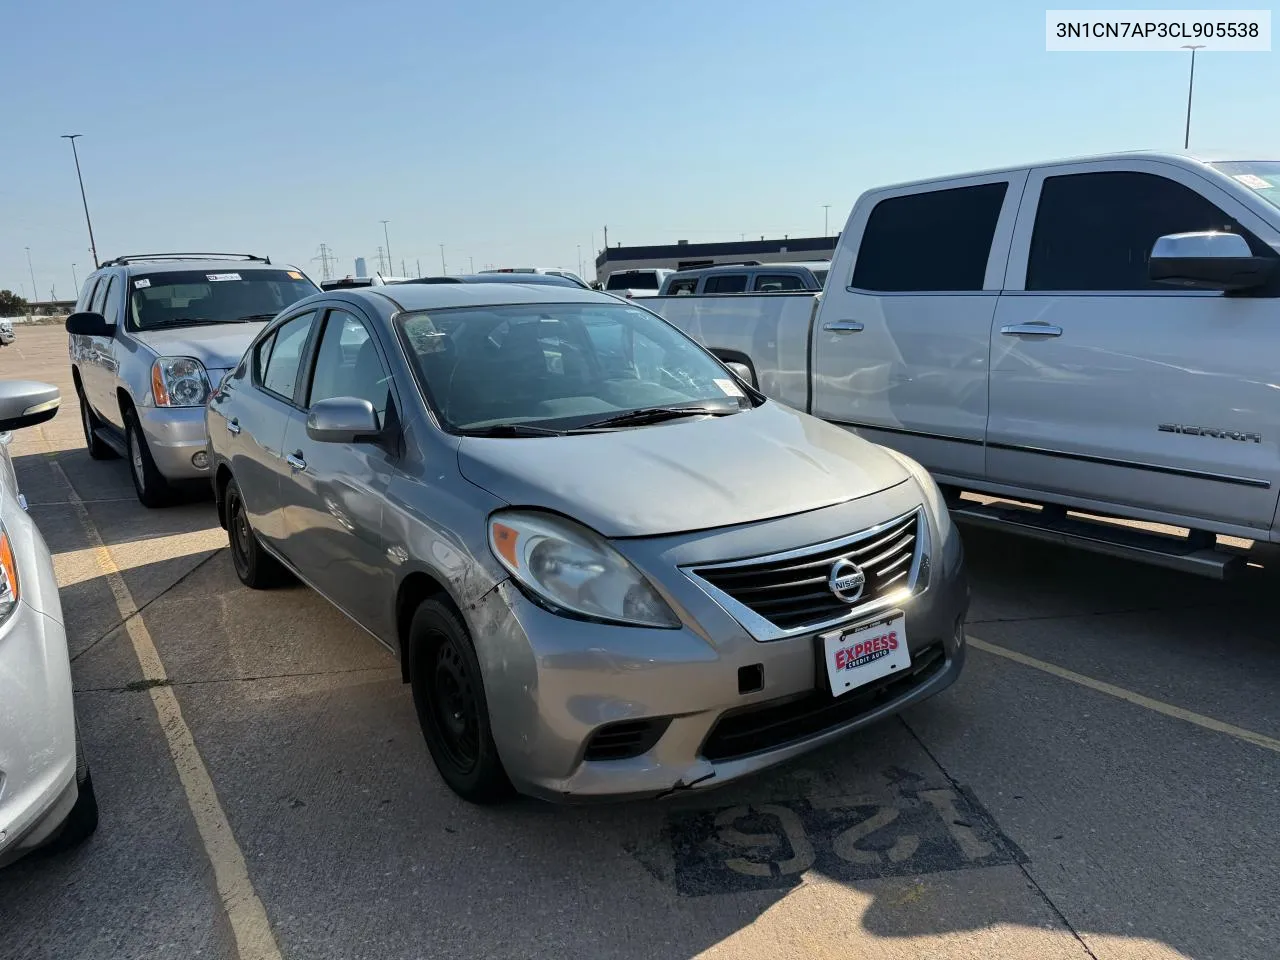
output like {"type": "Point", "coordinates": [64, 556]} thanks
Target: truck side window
{"type": "Point", "coordinates": [100, 295]}
{"type": "Point", "coordinates": [939, 240]}
{"type": "Point", "coordinates": [726, 283]}
{"type": "Point", "coordinates": [1094, 231]}
{"type": "Point", "coordinates": [684, 287]}
{"type": "Point", "coordinates": [87, 294]}
{"type": "Point", "coordinates": [114, 301]}
{"type": "Point", "coordinates": [774, 282]}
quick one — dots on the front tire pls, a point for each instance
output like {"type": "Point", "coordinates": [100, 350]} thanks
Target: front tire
{"type": "Point", "coordinates": [152, 488]}
{"type": "Point", "coordinates": [448, 692]}
{"type": "Point", "coordinates": [254, 566]}
{"type": "Point", "coordinates": [82, 821]}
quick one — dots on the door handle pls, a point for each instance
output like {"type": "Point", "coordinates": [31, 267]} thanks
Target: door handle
{"type": "Point", "coordinates": [295, 461]}
{"type": "Point", "coordinates": [1030, 330]}
{"type": "Point", "coordinates": [233, 427]}
{"type": "Point", "coordinates": [844, 326]}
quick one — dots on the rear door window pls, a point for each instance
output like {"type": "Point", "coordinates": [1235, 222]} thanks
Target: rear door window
{"type": "Point", "coordinates": [100, 295]}
{"type": "Point", "coordinates": [938, 240]}
{"type": "Point", "coordinates": [278, 366]}
{"type": "Point", "coordinates": [683, 287]}
{"type": "Point", "coordinates": [774, 282]}
{"type": "Point", "coordinates": [726, 283]}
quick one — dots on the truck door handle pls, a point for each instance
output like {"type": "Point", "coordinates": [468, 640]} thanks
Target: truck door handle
{"type": "Point", "coordinates": [233, 427]}
{"type": "Point", "coordinates": [844, 326]}
{"type": "Point", "coordinates": [295, 461]}
{"type": "Point", "coordinates": [1030, 330]}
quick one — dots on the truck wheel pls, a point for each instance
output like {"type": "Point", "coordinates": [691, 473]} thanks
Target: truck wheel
{"type": "Point", "coordinates": [448, 693]}
{"type": "Point", "coordinates": [83, 818]}
{"type": "Point", "coordinates": [148, 482]}
{"type": "Point", "coordinates": [254, 566]}
{"type": "Point", "coordinates": [90, 422]}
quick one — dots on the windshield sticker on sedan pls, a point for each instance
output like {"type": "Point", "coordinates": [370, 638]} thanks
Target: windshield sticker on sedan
{"type": "Point", "coordinates": [215, 277]}
{"type": "Point", "coordinates": [141, 284]}
{"type": "Point", "coordinates": [1252, 180]}
{"type": "Point", "coordinates": [294, 275]}
{"type": "Point", "coordinates": [728, 388]}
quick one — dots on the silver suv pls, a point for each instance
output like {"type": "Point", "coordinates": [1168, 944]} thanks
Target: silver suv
{"type": "Point", "coordinates": [151, 335]}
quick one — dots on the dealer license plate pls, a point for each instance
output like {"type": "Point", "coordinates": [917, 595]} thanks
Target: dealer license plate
{"type": "Point", "coordinates": [865, 653]}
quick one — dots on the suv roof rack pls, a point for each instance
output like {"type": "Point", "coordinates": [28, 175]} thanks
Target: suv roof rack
{"type": "Point", "coordinates": [134, 257]}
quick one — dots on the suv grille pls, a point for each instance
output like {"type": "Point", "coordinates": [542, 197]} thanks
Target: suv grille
{"type": "Point", "coordinates": [767, 726]}
{"type": "Point", "coordinates": [791, 591]}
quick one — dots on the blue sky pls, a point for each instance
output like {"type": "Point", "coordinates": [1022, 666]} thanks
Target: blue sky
{"type": "Point", "coordinates": [511, 132]}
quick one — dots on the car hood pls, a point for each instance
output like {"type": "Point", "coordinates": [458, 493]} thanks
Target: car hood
{"type": "Point", "coordinates": [685, 474]}
{"type": "Point", "coordinates": [219, 346]}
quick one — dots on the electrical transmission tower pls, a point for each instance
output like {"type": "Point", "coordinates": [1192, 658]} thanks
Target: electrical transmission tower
{"type": "Point", "coordinates": [325, 257]}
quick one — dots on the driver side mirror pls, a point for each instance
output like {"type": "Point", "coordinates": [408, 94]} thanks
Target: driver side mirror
{"type": "Point", "coordinates": [24, 403]}
{"type": "Point", "coordinates": [1208, 260]}
{"type": "Point", "coordinates": [89, 325]}
{"type": "Point", "coordinates": [343, 420]}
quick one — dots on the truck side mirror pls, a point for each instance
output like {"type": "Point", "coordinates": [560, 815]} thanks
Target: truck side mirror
{"type": "Point", "coordinates": [1208, 260]}
{"type": "Point", "coordinates": [24, 403]}
{"type": "Point", "coordinates": [89, 325]}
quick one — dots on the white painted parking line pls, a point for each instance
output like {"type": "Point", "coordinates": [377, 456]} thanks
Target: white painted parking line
{"type": "Point", "coordinates": [1158, 706]}
{"type": "Point", "coordinates": [245, 911]}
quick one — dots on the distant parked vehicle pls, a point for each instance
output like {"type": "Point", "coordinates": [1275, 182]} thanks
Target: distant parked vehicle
{"type": "Point", "coordinates": [151, 335]}
{"type": "Point", "coordinates": [636, 283]}
{"type": "Point", "coordinates": [350, 283]}
{"type": "Point", "coordinates": [607, 566]}
{"type": "Point", "coordinates": [544, 279]}
{"type": "Point", "coordinates": [6, 333]}
{"type": "Point", "coordinates": [541, 271]}
{"type": "Point", "coordinates": [46, 793]}
{"type": "Point", "coordinates": [761, 278]}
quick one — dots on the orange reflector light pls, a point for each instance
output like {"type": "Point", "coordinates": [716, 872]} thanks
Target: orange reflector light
{"type": "Point", "coordinates": [504, 541]}
{"type": "Point", "coordinates": [159, 395]}
{"type": "Point", "coordinates": [10, 583]}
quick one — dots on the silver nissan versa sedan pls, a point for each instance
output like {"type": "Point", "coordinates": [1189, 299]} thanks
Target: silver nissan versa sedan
{"type": "Point", "coordinates": [609, 567]}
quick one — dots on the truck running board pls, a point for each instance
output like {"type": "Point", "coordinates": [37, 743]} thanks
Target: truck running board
{"type": "Point", "coordinates": [112, 440]}
{"type": "Point", "coordinates": [1128, 543]}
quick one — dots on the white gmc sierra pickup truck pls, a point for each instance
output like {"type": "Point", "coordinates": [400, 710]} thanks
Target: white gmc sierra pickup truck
{"type": "Point", "coordinates": [1099, 336]}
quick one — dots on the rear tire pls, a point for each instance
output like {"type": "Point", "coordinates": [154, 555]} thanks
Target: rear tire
{"type": "Point", "coordinates": [89, 422]}
{"type": "Point", "coordinates": [149, 483]}
{"type": "Point", "coordinates": [82, 821]}
{"type": "Point", "coordinates": [254, 566]}
{"type": "Point", "coordinates": [448, 692]}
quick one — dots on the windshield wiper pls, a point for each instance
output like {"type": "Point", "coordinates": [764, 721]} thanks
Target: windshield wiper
{"type": "Point", "coordinates": [637, 418]}
{"type": "Point", "coordinates": [512, 430]}
{"type": "Point", "coordinates": [178, 322]}
{"type": "Point", "coordinates": [254, 316]}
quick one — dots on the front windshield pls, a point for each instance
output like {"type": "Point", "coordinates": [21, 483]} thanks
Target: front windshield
{"type": "Point", "coordinates": [185, 297]}
{"type": "Point", "coordinates": [558, 366]}
{"type": "Point", "coordinates": [1260, 176]}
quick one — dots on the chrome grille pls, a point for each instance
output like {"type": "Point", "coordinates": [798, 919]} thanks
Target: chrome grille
{"type": "Point", "coordinates": [791, 592]}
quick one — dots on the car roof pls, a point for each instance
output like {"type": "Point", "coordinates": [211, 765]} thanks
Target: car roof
{"type": "Point", "coordinates": [219, 266]}
{"type": "Point", "coordinates": [742, 267]}
{"type": "Point", "coordinates": [440, 296]}
{"type": "Point", "coordinates": [546, 279]}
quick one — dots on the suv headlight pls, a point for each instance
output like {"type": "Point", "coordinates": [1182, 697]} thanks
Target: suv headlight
{"type": "Point", "coordinates": [8, 578]}
{"type": "Point", "coordinates": [574, 571]}
{"type": "Point", "coordinates": [179, 382]}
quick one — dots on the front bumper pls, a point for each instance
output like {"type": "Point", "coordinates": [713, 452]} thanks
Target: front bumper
{"type": "Point", "coordinates": [175, 435]}
{"type": "Point", "coordinates": [38, 740]}
{"type": "Point", "coordinates": [553, 683]}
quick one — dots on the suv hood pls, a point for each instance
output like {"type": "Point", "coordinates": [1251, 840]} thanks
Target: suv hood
{"type": "Point", "coordinates": [219, 346]}
{"type": "Point", "coordinates": [684, 474]}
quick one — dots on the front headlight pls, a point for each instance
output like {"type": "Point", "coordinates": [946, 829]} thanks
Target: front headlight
{"type": "Point", "coordinates": [574, 570]}
{"type": "Point", "coordinates": [179, 382]}
{"type": "Point", "coordinates": [933, 498]}
{"type": "Point", "coordinates": [8, 578]}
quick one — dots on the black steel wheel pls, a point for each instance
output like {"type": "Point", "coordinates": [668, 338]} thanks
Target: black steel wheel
{"type": "Point", "coordinates": [253, 565]}
{"type": "Point", "coordinates": [448, 692]}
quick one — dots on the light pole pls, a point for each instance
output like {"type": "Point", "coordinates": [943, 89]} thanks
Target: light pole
{"type": "Point", "coordinates": [75, 281]}
{"type": "Point", "coordinates": [419, 266]}
{"type": "Point", "coordinates": [93, 247]}
{"type": "Point", "coordinates": [387, 239]}
{"type": "Point", "coordinates": [1191, 83]}
{"type": "Point", "coordinates": [443, 269]}
{"type": "Point", "coordinates": [35, 291]}
{"type": "Point", "coordinates": [826, 210]}
{"type": "Point", "coordinates": [472, 261]}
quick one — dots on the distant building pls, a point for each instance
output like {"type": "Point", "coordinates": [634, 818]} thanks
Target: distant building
{"type": "Point", "coordinates": [687, 256]}
{"type": "Point", "coordinates": [361, 269]}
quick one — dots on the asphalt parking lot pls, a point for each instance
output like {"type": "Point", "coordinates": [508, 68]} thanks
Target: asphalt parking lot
{"type": "Point", "coordinates": [1103, 781]}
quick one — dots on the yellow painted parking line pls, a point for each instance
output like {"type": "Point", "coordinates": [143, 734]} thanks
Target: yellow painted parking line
{"type": "Point", "coordinates": [1120, 693]}
{"type": "Point", "coordinates": [248, 917]}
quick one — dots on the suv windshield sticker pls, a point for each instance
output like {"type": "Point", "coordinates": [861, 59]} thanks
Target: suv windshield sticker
{"type": "Point", "coordinates": [141, 284]}
{"type": "Point", "coordinates": [728, 387]}
{"type": "Point", "coordinates": [215, 277]}
{"type": "Point", "coordinates": [1252, 180]}
{"type": "Point", "coordinates": [294, 275]}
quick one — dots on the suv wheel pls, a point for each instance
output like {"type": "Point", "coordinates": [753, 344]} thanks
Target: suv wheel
{"type": "Point", "coordinates": [148, 482]}
{"type": "Point", "coordinates": [90, 422]}
{"type": "Point", "coordinates": [448, 693]}
{"type": "Point", "coordinates": [254, 566]}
